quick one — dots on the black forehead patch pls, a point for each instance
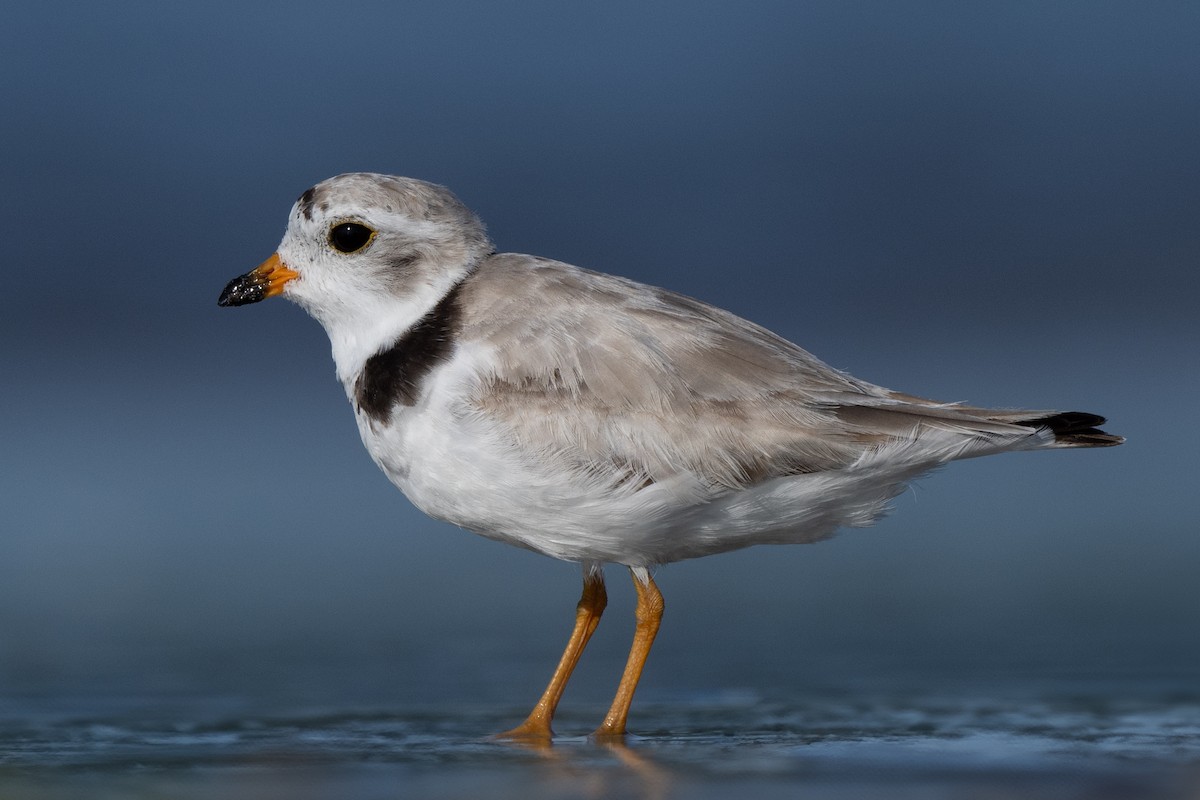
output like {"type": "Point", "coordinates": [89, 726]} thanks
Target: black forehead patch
{"type": "Point", "coordinates": [306, 203]}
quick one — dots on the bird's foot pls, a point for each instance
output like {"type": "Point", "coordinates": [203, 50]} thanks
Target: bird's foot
{"type": "Point", "coordinates": [532, 732]}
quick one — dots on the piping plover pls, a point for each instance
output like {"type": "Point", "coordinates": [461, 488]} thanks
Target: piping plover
{"type": "Point", "coordinates": [592, 418]}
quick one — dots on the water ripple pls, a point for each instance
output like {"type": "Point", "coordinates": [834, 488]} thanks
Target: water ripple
{"type": "Point", "coordinates": [692, 749]}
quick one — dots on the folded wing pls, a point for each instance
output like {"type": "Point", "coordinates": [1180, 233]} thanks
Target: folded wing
{"type": "Point", "coordinates": [630, 385]}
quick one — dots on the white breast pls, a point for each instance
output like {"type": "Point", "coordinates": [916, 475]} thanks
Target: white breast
{"type": "Point", "coordinates": [457, 465]}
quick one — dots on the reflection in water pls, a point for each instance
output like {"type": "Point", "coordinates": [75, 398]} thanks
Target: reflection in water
{"type": "Point", "coordinates": [630, 773]}
{"type": "Point", "coordinates": [655, 780]}
{"type": "Point", "coordinates": [582, 769]}
{"type": "Point", "coordinates": [1031, 750]}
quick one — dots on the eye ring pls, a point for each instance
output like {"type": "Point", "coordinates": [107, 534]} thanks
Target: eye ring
{"type": "Point", "coordinates": [350, 237]}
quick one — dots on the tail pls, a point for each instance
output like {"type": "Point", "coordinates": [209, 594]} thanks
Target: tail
{"type": "Point", "coordinates": [977, 431]}
{"type": "Point", "coordinates": [1072, 429]}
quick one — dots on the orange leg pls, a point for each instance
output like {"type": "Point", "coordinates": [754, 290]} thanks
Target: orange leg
{"type": "Point", "coordinates": [587, 616]}
{"type": "Point", "coordinates": [649, 616]}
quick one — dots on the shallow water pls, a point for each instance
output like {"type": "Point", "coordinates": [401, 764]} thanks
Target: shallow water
{"type": "Point", "coordinates": [740, 745]}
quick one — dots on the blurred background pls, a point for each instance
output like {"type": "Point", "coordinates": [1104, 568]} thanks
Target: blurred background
{"type": "Point", "coordinates": [995, 205]}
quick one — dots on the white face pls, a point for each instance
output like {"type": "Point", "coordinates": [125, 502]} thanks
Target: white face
{"type": "Point", "coordinates": [367, 255]}
{"type": "Point", "coordinates": [361, 243]}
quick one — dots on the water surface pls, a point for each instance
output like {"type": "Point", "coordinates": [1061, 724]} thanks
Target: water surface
{"type": "Point", "coordinates": [738, 745]}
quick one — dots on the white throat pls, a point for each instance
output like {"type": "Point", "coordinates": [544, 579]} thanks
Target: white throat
{"type": "Point", "coordinates": [375, 323]}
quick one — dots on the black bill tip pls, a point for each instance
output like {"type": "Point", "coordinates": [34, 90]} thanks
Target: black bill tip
{"type": "Point", "coordinates": [243, 290]}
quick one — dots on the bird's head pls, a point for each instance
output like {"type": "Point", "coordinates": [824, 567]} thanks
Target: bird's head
{"type": "Point", "coordinates": [366, 255]}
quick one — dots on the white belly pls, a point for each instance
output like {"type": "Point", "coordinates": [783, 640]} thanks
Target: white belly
{"type": "Point", "coordinates": [459, 470]}
{"type": "Point", "coordinates": [457, 465]}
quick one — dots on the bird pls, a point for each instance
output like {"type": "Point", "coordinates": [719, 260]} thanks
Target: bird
{"type": "Point", "coordinates": [592, 418]}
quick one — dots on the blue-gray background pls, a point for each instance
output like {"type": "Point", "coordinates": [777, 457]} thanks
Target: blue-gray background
{"type": "Point", "coordinates": [991, 204]}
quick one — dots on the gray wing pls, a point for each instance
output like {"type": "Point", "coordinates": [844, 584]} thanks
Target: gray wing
{"type": "Point", "coordinates": [633, 384]}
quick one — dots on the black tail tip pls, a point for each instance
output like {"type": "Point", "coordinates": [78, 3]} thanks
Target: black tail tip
{"type": "Point", "coordinates": [1076, 429]}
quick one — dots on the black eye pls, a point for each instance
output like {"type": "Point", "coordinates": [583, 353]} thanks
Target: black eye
{"type": "Point", "coordinates": [349, 237]}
